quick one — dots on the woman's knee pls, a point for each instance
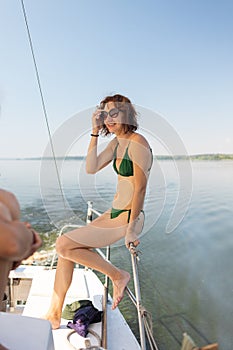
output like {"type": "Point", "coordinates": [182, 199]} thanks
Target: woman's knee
{"type": "Point", "coordinates": [61, 246]}
{"type": "Point", "coordinates": [64, 245]}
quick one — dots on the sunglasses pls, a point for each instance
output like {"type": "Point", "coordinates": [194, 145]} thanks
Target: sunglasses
{"type": "Point", "coordinates": [113, 113]}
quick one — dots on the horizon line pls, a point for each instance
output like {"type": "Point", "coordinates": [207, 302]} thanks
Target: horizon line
{"type": "Point", "coordinates": [159, 156]}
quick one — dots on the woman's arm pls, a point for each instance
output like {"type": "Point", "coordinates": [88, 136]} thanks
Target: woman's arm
{"type": "Point", "coordinates": [141, 157]}
{"type": "Point", "coordinates": [95, 162]}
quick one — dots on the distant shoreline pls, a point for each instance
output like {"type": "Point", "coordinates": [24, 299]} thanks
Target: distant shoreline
{"type": "Point", "coordinates": [196, 157]}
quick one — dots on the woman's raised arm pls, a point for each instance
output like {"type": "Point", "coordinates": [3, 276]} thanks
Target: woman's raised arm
{"type": "Point", "coordinates": [95, 162]}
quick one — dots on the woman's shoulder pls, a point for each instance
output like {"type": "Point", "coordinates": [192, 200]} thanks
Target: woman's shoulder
{"type": "Point", "coordinates": [113, 144]}
{"type": "Point", "coordinates": [140, 139]}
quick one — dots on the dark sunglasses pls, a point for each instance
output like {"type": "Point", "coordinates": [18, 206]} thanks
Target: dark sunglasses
{"type": "Point", "coordinates": [113, 113]}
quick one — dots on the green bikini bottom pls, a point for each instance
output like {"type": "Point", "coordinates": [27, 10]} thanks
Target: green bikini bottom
{"type": "Point", "coordinates": [116, 212]}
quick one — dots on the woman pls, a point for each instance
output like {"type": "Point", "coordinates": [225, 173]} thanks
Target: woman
{"type": "Point", "coordinates": [132, 160]}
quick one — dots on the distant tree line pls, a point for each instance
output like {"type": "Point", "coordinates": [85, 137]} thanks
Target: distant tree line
{"type": "Point", "coordinates": [217, 156]}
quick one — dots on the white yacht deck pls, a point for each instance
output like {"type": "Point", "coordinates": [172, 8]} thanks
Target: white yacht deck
{"type": "Point", "coordinates": [85, 285]}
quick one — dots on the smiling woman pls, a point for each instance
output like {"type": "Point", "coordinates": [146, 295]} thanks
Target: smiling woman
{"type": "Point", "coordinates": [132, 160]}
{"type": "Point", "coordinates": [128, 114]}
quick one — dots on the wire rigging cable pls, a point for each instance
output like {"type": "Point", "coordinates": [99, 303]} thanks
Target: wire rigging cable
{"type": "Point", "coordinates": [42, 99]}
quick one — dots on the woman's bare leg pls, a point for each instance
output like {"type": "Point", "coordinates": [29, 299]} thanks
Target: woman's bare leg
{"type": "Point", "coordinates": [86, 257]}
{"type": "Point", "coordinates": [75, 246]}
{"type": "Point", "coordinates": [90, 258]}
{"type": "Point", "coordinates": [63, 278]}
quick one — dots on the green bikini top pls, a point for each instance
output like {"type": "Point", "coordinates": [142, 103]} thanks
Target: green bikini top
{"type": "Point", "coordinates": [126, 165]}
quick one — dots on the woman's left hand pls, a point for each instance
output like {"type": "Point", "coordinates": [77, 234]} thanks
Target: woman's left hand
{"type": "Point", "coordinates": [131, 238]}
{"type": "Point", "coordinates": [133, 231]}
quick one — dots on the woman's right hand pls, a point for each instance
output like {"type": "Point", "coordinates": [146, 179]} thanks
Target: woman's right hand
{"type": "Point", "coordinates": [97, 120]}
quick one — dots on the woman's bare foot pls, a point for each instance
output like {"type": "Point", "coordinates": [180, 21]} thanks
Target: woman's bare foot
{"type": "Point", "coordinates": [54, 319]}
{"type": "Point", "coordinates": [119, 286]}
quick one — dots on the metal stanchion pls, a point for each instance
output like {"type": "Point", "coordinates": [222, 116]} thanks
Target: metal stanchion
{"type": "Point", "coordinates": [134, 258]}
{"type": "Point", "coordinates": [105, 301]}
{"type": "Point", "coordinates": [89, 212]}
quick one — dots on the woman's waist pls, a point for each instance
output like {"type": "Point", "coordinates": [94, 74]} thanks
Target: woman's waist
{"type": "Point", "coordinates": [120, 202]}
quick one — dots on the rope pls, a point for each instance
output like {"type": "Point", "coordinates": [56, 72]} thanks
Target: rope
{"type": "Point", "coordinates": [147, 319]}
{"type": "Point", "coordinates": [42, 99]}
{"type": "Point", "coordinates": [89, 331]}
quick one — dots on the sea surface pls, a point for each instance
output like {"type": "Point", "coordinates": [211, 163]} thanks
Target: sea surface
{"type": "Point", "coordinates": [186, 275]}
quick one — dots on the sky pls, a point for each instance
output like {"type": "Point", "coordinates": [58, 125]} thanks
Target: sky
{"type": "Point", "coordinates": [171, 57]}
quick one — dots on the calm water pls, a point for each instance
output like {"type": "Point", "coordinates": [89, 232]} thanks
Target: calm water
{"type": "Point", "coordinates": [186, 276]}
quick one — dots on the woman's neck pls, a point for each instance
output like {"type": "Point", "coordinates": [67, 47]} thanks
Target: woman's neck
{"type": "Point", "coordinates": [123, 138]}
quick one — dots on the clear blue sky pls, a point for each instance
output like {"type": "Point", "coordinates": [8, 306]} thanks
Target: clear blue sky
{"type": "Point", "coordinates": [174, 57]}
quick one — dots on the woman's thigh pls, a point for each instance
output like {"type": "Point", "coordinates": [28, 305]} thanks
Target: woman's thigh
{"type": "Point", "coordinates": [101, 232]}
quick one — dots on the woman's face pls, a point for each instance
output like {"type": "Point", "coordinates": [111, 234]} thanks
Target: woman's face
{"type": "Point", "coordinates": [113, 121]}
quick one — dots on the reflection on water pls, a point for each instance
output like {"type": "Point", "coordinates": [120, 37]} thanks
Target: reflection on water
{"type": "Point", "coordinates": [186, 276]}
